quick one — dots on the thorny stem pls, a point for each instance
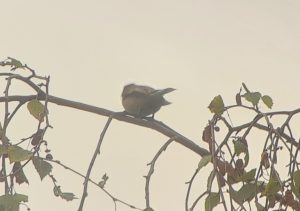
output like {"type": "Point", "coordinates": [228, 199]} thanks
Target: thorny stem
{"type": "Point", "coordinates": [113, 198]}
{"type": "Point", "coordinates": [151, 170]}
{"type": "Point", "coordinates": [164, 129]}
{"type": "Point", "coordinates": [97, 151]}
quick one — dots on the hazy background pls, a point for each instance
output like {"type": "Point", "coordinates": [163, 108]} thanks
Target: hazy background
{"type": "Point", "coordinates": [92, 48]}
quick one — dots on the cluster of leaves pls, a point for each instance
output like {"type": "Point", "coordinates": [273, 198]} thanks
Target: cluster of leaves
{"type": "Point", "coordinates": [16, 155]}
{"type": "Point", "coordinates": [243, 185]}
{"type": "Point", "coordinates": [217, 105]}
{"type": "Point", "coordinates": [12, 63]}
{"type": "Point", "coordinates": [19, 157]}
{"type": "Point", "coordinates": [231, 173]}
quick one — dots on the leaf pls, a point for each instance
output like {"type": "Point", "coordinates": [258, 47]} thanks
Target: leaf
{"type": "Point", "coordinates": [264, 159]}
{"type": "Point", "coordinates": [68, 196]}
{"type": "Point", "coordinates": [204, 161]}
{"type": "Point", "coordinates": [240, 147]}
{"type": "Point", "coordinates": [1, 131]}
{"type": "Point", "coordinates": [102, 183]}
{"type": "Point", "coordinates": [247, 191]}
{"type": "Point", "coordinates": [18, 173]}
{"type": "Point", "coordinates": [248, 177]}
{"type": "Point", "coordinates": [259, 207]}
{"type": "Point", "coordinates": [296, 181]}
{"type": "Point", "coordinates": [17, 154]}
{"type": "Point", "coordinates": [3, 138]}
{"type": "Point", "coordinates": [211, 201]}
{"type": "Point", "coordinates": [235, 196]}
{"type": "Point", "coordinates": [245, 87]}
{"type": "Point", "coordinates": [3, 150]}
{"type": "Point", "coordinates": [246, 158]}
{"type": "Point", "coordinates": [41, 166]}
{"type": "Point", "coordinates": [15, 63]}
{"type": "Point", "coordinates": [216, 106]}
{"type": "Point", "coordinates": [57, 190]}
{"type": "Point", "coordinates": [267, 101]}
{"type": "Point", "coordinates": [11, 202]}
{"type": "Point", "coordinates": [37, 137]}
{"type": "Point", "coordinates": [272, 187]}
{"type": "Point", "coordinates": [36, 109]}
{"type": "Point", "coordinates": [206, 135]}
{"type": "Point", "coordinates": [252, 97]}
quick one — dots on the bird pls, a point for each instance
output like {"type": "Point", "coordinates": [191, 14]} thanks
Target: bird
{"type": "Point", "coordinates": [142, 101]}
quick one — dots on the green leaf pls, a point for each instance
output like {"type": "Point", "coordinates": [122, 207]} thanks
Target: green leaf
{"type": "Point", "coordinates": [240, 147]}
{"type": "Point", "coordinates": [41, 166]}
{"type": "Point", "coordinates": [17, 154]}
{"type": "Point", "coordinates": [296, 181]}
{"type": "Point", "coordinates": [102, 183]}
{"type": "Point", "coordinates": [1, 131]}
{"type": "Point", "coordinates": [259, 207]}
{"type": "Point", "coordinates": [12, 202]}
{"type": "Point", "coordinates": [68, 196]}
{"type": "Point", "coordinates": [245, 87]}
{"type": "Point", "coordinates": [36, 109]}
{"type": "Point", "coordinates": [18, 173]}
{"type": "Point", "coordinates": [246, 193]}
{"type": "Point", "coordinates": [148, 209]}
{"type": "Point", "coordinates": [211, 201]}
{"type": "Point", "coordinates": [272, 187]}
{"type": "Point", "coordinates": [246, 158]}
{"type": "Point", "coordinates": [3, 150]}
{"type": "Point", "coordinates": [235, 196]}
{"type": "Point", "coordinates": [267, 101]}
{"type": "Point", "coordinates": [3, 138]}
{"type": "Point", "coordinates": [15, 63]}
{"type": "Point", "coordinates": [247, 177]}
{"type": "Point", "coordinates": [57, 191]}
{"type": "Point", "coordinates": [252, 97]}
{"type": "Point", "coordinates": [216, 106]}
{"type": "Point", "coordinates": [204, 161]}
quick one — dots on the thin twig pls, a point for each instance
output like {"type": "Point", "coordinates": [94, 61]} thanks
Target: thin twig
{"type": "Point", "coordinates": [189, 189]}
{"type": "Point", "coordinates": [97, 151]}
{"type": "Point", "coordinates": [197, 200]}
{"type": "Point", "coordinates": [151, 170]}
{"type": "Point", "coordinates": [114, 198]}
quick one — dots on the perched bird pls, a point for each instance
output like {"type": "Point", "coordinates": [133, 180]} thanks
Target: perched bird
{"type": "Point", "coordinates": [142, 101]}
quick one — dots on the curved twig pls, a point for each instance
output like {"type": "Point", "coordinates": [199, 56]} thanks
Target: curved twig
{"type": "Point", "coordinates": [151, 170]}
{"type": "Point", "coordinates": [189, 189]}
{"type": "Point", "coordinates": [97, 151]}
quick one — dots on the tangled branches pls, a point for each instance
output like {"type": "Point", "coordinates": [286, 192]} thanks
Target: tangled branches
{"type": "Point", "coordinates": [247, 169]}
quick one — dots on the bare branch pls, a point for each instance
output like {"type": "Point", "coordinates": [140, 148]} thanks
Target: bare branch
{"type": "Point", "coordinates": [113, 198]}
{"type": "Point", "coordinates": [190, 183]}
{"type": "Point", "coordinates": [151, 170]}
{"type": "Point", "coordinates": [97, 151]}
{"type": "Point", "coordinates": [148, 123]}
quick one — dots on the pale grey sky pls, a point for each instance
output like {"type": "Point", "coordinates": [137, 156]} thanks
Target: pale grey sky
{"type": "Point", "coordinates": [92, 48]}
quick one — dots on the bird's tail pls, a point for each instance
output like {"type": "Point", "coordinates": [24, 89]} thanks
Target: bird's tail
{"type": "Point", "coordinates": [163, 91]}
{"type": "Point", "coordinates": [165, 102]}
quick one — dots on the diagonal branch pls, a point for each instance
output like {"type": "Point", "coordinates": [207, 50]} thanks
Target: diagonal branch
{"type": "Point", "coordinates": [148, 123]}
